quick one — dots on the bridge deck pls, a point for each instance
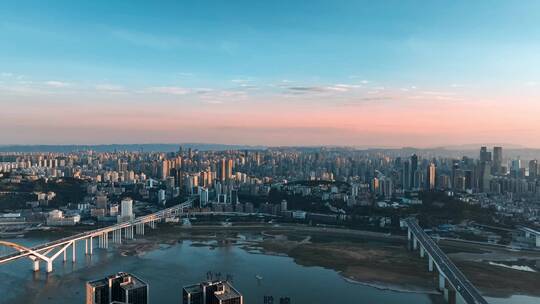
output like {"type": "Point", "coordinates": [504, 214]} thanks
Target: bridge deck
{"type": "Point", "coordinates": [455, 277]}
{"type": "Point", "coordinates": [140, 220]}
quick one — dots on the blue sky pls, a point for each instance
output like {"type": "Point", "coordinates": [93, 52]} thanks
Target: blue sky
{"type": "Point", "coordinates": [156, 42]}
{"type": "Point", "coordinates": [195, 54]}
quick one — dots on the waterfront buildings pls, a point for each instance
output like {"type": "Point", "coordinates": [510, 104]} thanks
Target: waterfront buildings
{"type": "Point", "coordinates": [126, 210]}
{"type": "Point", "coordinates": [117, 288]}
{"type": "Point", "coordinates": [211, 292]}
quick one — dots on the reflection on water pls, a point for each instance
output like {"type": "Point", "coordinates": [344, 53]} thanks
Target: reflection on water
{"type": "Point", "coordinates": [169, 267]}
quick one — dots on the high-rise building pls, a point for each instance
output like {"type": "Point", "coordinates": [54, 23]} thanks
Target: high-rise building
{"type": "Point", "coordinates": [515, 167]}
{"type": "Point", "coordinates": [485, 156]}
{"type": "Point", "coordinates": [101, 201]}
{"type": "Point", "coordinates": [485, 176]}
{"type": "Point", "coordinates": [222, 170]}
{"type": "Point", "coordinates": [484, 170]}
{"type": "Point", "coordinates": [211, 292]}
{"type": "Point", "coordinates": [406, 176]}
{"type": "Point", "coordinates": [533, 168]}
{"type": "Point", "coordinates": [203, 197]}
{"type": "Point", "coordinates": [229, 168]}
{"type": "Point", "coordinates": [234, 196]}
{"type": "Point", "coordinates": [418, 180]}
{"type": "Point", "coordinates": [127, 207]}
{"type": "Point", "coordinates": [430, 177]}
{"type": "Point", "coordinates": [164, 169]}
{"type": "Point", "coordinates": [414, 167]}
{"type": "Point", "coordinates": [117, 288]}
{"type": "Point", "coordinates": [126, 210]}
{"type": "Point", "coordinates": [497, 160]}
{"type": "Point", "coordinates": [386, 187]}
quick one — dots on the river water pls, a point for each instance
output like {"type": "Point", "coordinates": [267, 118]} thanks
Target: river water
{"type": "Point", "coordinates": [169, 267]}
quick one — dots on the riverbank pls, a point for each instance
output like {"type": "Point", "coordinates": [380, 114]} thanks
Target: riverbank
{"type": "Point", "coordinates": [370, 258]}
{"type": "Point", "coordinates": [377, 259]}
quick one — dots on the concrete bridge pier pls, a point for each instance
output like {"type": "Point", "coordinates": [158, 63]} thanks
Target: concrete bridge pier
{"type": "Point", "coordinates": [442, 281]}
{"type": "Point", "coordinates": [117, 236]}
{"type": "Point", "coordinates": [129, 232]}
{"type": "Point", "coordinates": [35, 263]}
{"type": "Point", "coordinates": [49, 266]}
{"type": "Point", "coordinates": [415, 243]}
{"type": "Point", "coordinates": [430, 263]}
{"type": "Point", "coordinates": [91, 249]}
{"type": "Point", "coordinates": [139, 229]}
{"type": "Point", "coordinates": [422, 251]}
{"type": "Point", "coordinates": [65, 256]}
{"type": "Point", "coordinates": [73, 251]}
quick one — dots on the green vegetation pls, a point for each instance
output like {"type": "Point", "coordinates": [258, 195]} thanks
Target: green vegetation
{"type": "Point", "coordinates": [438, 208]}
{"type": "Point", "coordinates": [68, 190]}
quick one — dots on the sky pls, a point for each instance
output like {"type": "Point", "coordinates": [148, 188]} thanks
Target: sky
{"type": "Point", "coordinates": [356, 73]}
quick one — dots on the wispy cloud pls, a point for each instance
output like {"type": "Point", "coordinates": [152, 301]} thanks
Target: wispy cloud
{"type": "Point", "coordinates": [322, 89]}
{"type": "Point", "coordinates": [57, 84]}
{"type": "Point", "coordinates": [169, 90]}
{"type": "Point", "coordinates": [106, 87]}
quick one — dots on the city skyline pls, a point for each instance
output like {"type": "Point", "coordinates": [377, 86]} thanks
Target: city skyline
{"type": "Point", "coordinates": [277, 74]}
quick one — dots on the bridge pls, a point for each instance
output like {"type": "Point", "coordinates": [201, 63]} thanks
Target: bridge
{"type": "Point", "coordinates": [48, 252]}
{"type": "Point", "coordinates": [452, 282]}
{"type": "Point", "coordinates": [531, 233]}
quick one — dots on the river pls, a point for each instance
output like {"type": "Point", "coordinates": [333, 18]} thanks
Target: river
{"type": "Point", "coordinates": [169, 267]}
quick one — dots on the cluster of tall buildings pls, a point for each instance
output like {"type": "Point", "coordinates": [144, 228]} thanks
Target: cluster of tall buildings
{"type": "Point", "coordinates": [129, 289]}
{"type": "Point", "coordinates": [117, 288]}
{"type": "Point", "coordinates": [224, 176]}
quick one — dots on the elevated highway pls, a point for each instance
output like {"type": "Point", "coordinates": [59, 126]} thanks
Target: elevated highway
{"type": "Point", "coordinates": [460, 289]}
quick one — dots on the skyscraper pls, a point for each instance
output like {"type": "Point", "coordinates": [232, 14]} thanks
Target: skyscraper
{"type": "Point", "coordinates": [229, 167]}
{"type": "Point", "coordinates": [117, 288]}
{"type": "Point", "coordinates": [497, 160]}
{"type": "Point", "coordinates": [485, 156]}
{"type": "Point", "coordinates": [484, 175]}
{"type": "Point", "coordinates": [126, 210]}
{"type": "Point", "coordinates": [222, 170]}
{"type": "Point", "coordinates": [164, 169]}
{"type": "Point", "coordinates": [430, 177]}
{"type": "Point", "coordinates": [414, 167]}
{"type": "Point", "coordinates": [533, 168]}
{"type": "Point", "coordinates": [211, 292]}
{"type": "Point", "coordinates": [406, 175]}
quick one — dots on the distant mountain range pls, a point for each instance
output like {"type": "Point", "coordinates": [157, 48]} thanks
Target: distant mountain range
{"type": "Point", "coordinates": [125, 147]}
{"type": "Point", "coordinates": [477, 146]}
{"type": "Point", "coordinates": [456, 151]}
